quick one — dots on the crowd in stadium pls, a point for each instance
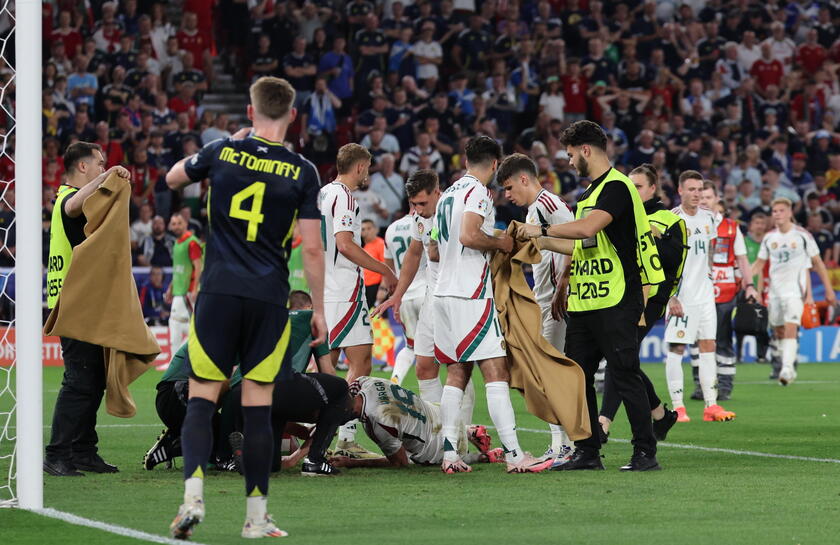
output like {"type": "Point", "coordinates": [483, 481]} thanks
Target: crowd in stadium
{"type": "Point", "coordinates": [746, 93]}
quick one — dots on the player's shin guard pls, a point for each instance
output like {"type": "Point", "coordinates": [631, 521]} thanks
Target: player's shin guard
{"type": "Point", "coordinates": [725, 374]}
{"type": "Point", "coordinates": [402, 363]}
{"type": "Point", "coordinates": [674, 377]}
{"type": "Point", "coordinates": [431, 390]}
{"type": "Point", "coordinates": [450, 412]}
{"type": "Point", "coordinates": [789, 348]}
{"type": "Point", "coordinates": [501, 413]}
{"type": "Point", "coordinates": [708, 377]}
{"type": "Point", "coordinates": [258, 450]}
{"type": "Point", "coordinates": [196, 444]}
{"type": "Point", "coordinates": [558, 437]}
{"type": "Point", "coordinates": [468, 404]}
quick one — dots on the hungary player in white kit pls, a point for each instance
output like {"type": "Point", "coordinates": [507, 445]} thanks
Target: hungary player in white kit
{"type": "Point", "coordinates": [692, 316]}
{"type": "Point", "coordinates": [407, 428]}
{"type": "Point", "coordinates": [397, 242]}
{"type": "Point", "coordinates": [345, 308]}
{"type": "Point", "coordinates": [791, 251]}
{"type": "Point", "coordinates": [518, 176]}
{"type": "Point", "coordinates": [466, 327]}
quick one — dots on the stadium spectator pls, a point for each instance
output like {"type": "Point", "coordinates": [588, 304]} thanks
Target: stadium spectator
{"type": "Point", "coordinates": [142, 226]}
{"type": "Point", "coordinates": [374, 245]}
{"type": "Point", "coordinates": [217, 130]}
{"type": "Point", "coordinates": [156, 249]}
{"type": "Point", "coordinates": [155, 309]}
{"type": "Point", "coordinates": [300, 69]}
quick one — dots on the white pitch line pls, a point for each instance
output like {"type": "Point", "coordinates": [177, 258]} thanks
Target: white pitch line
{"type": "Point", "coordinates": [774, 383]}
{"type": "Point", "coordinates": [716, 449]}
{"type": "Point", "coordinates": [161, 425]}
{"type": "Point", "coordinates": [106, 527]}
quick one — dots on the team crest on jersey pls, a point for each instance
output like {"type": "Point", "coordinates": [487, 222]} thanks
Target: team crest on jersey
{"type": "Point", "coordinates": [793, 245]}
{"type": "Point", "coordinates": [420, 227]}
{"type": "Point", "coordinates": [347, 220]}
{"type": "Point", "coordinates": [680, 334]}
{"type": "Point", "coordinates": [774, 245]}
{"type": "Point", "coordinates": [504, 345]}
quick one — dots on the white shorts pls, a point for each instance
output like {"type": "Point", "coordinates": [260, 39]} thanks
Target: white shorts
{"type": "Point", "coordinates": [181, 309]}
{"type": "Point", "coordinates": [424, 333]}
{"type": "Point", "coordinates": [699, 322]}
{"type": "Point", "coordinates": [410, 315]}
{"type": "Point", "coordinates": [553, 331]}
{"type": "Point", "coordinates": [348, 324]}
{"type": "Point", "coordinates": [785, 310]}
{"type": "Point", "coordinates": [466, 330]}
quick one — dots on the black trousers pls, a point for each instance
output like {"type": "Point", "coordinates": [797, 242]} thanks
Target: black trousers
{"type": "Point", "coordinates": [723, 342]}
{"type": "Point", "coordinates": [611, 401]}
{"type": "Point", "coordinates": [171, 406]}
{"type": "Point", "coordinates": [74, 417]}
{"type": "Point", "coordinates": [612, 334]}
{"type": "Point", "coordinates": [316, 398]}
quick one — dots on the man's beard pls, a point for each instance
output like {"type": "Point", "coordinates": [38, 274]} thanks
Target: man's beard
{"type": "Point", "coordinates": [582, 167]}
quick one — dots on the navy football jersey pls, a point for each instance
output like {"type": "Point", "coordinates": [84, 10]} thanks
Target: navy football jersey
{"type": "Point", "coordinates": [258, 189]}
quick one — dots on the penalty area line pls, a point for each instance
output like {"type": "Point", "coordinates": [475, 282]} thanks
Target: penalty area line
{"type": "Point", "coordinates": [106, 527]}
{"type": "Point", "coordinates": [717, 449]}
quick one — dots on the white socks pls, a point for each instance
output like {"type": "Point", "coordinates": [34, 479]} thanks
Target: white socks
{"type": "Point", "coordinates": [193, 488]}
{"type": "Point", "coordinates": [450, 412]}
{"type": "Point", "coordinates": [674, 377]}
{"type": "Point", "coordinates": [347, 432]}
{"type": "Point", "coordinates": [402, 363]}
{"type": "Point", "coordinates": [430, 390]}
{"type": "Point", "coordinates": [789, 348]}
{"type": "Point", "coordinates": [255, 507]}
{"type": "Point", "coordinates": [467, 404]}
{"type": "Point", "coordinates": [559, 439]}
{"type": "Point", "coordinates": [501, 413]}
{"type": "Point", "coordinates": [708, 377]}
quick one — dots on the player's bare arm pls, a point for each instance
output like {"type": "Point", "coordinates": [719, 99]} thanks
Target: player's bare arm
{"type": "Point", "coordinates": [580, 229]}
{"type": "Point", "coordinates": [822, 272]}
{"type": "Point", "coordinates": [559, 303]}
{"type": "Point", "coordinates": [348, 248]}
{"type": "Point", "coordinates": [398, 459]}
{"type": "Point", "coordinates": [472, 236]}
{"type": "Point", "coordinates": [411, 265]}
{"type": "Point", "coordinates": [746, 279]}
{"type": "Point", "coordinates": [559, 245]}
{"type": "Point", "coordinates": [758, 270]}
{"type": "Point", "coordinates": [313, 268]}
{"type": "Point", "coordinates": [73, 207]}
{"type": "Point", "coordinates": [177, 177]}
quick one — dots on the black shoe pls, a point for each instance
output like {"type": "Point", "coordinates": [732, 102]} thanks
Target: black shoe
{"type": "Point", "coordinates": [580, 459]}
{"type": "Point", "coordinates": [61, 468]}
{"type": "Point", "coordinates": [724, 395]}
{"type": "Point", "coordinates": [94, 464]}
{"type": "Point", "coordinates": [166, 448]}
{"type": "Point", "coordinates": [237, 441]}
{"type": "Point", "coordinates": [642, 461]}
{"type": "Point", "coordinates": [697, 394]}
{"type": "Point", "coordinates": [662, 426]}
{"type": "Point", "coordinates": [775, 374]}
{"type": "Point", "coordinates": [318, 469]}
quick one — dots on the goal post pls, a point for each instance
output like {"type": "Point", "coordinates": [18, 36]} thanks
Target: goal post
{"type": "Point", "coordinates": [28, 268]}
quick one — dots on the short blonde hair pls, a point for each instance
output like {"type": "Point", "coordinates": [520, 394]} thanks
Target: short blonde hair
{"type": "Point", "coordinates": [349, 155]}
{"type": "Point", "coordinates": [783, 200]}
{"type": "Point", "coordinates": [272, 97]}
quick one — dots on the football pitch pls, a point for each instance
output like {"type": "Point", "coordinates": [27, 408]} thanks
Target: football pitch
{"type": "Point", "coordinates": [770, 477]}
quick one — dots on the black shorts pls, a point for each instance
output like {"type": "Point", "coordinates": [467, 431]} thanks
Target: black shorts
{"type": "Point", "coordinates": [226, 329]}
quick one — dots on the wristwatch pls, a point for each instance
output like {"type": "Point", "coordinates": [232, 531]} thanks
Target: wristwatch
{"type": "Point", "coordinates": [544, 229]}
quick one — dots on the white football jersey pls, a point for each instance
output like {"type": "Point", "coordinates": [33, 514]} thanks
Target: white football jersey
{"type": "Point", "coordinates": [343, 279]}
{"type": "Point", "coordinates": [395, 417]}
{"type": "Point", "coordinates": [397, 240]}
{"type": "Point", "coordinates": [696, 285]}
{"type": "Point", "coordinates": [548, 208]}
{"type": "Point", "coordinates": [464, 272]}
{"type": "Point", "coordinates": [790, 258]}
{"type": "Point", "coordinates": [421, 231]}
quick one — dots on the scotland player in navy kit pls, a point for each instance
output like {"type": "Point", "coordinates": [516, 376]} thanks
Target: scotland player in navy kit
{"type": "Point", "coordinates": [258, 191]}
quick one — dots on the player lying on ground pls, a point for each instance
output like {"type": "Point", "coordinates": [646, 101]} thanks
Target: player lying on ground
{"type": "Point", "coordinates": [408, 429]}
{"type": "Point", "coordinates": [317, 398]}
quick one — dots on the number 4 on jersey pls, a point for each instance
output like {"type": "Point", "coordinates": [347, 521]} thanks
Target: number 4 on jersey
{"type": "Point", "coordinates": [254, 216]}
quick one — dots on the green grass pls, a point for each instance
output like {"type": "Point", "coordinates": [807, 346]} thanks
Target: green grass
{"type": "Point", "coordinates": [701, 497]}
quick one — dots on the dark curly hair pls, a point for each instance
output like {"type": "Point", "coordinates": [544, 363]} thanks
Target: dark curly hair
{"type": "Point", "coordinates": [584, 132]}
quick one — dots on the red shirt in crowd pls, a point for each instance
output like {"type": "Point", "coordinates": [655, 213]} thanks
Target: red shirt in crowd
{"type": "Point", "coordinates": [72, 41]}
{"type": "Point", "coordinates": [204, 14]}
{"type": "Point", "coordinates": [143, 177]}
{"type": "Point", "coordinates": [113, 152]}
{"type": "Point", "coordinates": [194, 43]}
{"type": "Point", "coordinates": [574, 91]}
{"type": "Point", "coordinates": [811, 57]}
{"type": "Point", "coordinates": [178, 105]}
{"type": "Point", "coordinates": [767, 72]}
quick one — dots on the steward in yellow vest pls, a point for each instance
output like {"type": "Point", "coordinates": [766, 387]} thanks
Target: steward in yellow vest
{"type": "Point", "coordinates": [613, 255]}
{"type": "Point", "coordinates": [73, 443]}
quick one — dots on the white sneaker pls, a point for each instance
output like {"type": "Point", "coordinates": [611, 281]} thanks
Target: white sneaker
{"type": "Point", "coordinates": [562, 453]}
{"type": "Point", "coordinates": [262, 528]}
{"type": "Point", "coordinates": [189, 515]}
{"type": "Point", "coordinates": [787, 375]}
